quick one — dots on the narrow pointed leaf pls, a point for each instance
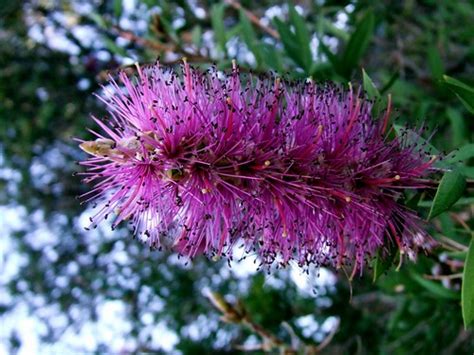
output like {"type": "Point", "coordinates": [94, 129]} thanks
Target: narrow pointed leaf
{"type": "Point", "coordinates": [467, 292]}
{"type": "Point", "coordinates": [459, 131]}
{"type": "Point", "coordinates": [217, 21]}
{"type": "Point", "coordinates": [464, 92]}
{"type": "Point", "coordinates": [435, 63]}
{"type": "Point", "coordinates": [358, 43]}
{"type": "Point", "coordinates": [286, 36]}
{"type": "Point", "coordinates": [383, 262]}
{"type": "Point", "coordinates": [272, 57]}
{"type": "Point", "coordinates": [294, 47]}
{"type": "Point", "coordinates": [302, 37]}
{"type": "Point", "coordinates": [435, 288]}
{"type": "Point", "coordinates": [412, 137]}
{"type": "Point", "coordinates": [450, 189]}
{"type": "Point", "coordinates": [464, 153]}
{"type": "Point", "coordinates": [390, 83]}
{"type": "Point", "coordinates": [196, 36]}
{"type": "Point", "coordinates": [369, 86]}
{"type": "Point", "coordinates": [333, 59]}
{"type": "Point", "coordinates": [118, 8]}
{"type": "Point", "coordinates": [250, 38]}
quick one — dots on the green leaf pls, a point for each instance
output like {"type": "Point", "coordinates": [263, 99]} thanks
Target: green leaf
{"type": "Point", "coordinates": [458, 255]}
{"type": "Point", "coordinates": [296, 43]}
{"type": "Point", "coordinates": [115, 48]}
{"type": "Point", "coordinates": [169, 29]}
{"type": "Point", "coordinates": [435, 288]}
{"type": "Point", "coordinates": [303, 39]}
{"type": "Point", "coordinates": [467, 292]}
{"type": "Point", "coordinates": [333, 59]}
{"type": "Point", "coordinates": [382, 262]}
{"type": "Point", "coordinates": [272, 57]}
{"type": "Point", "coordinates": [369, 86]}
{"type": "Point", "coordinates": [412, 203]}
{"type": "Point", "coordinates": [450, 189]}
{"type": "Point", "coordinates": [435, 63]}
{"type": "Point", "coordinates": [373, 93]}
{"type": "Point", "coordinates": [458, 126]}
{"type": "Point", "coordinates": [357, 44]}
{"type": "Point", "coordinates": [328, 26]}
{"type": "Point", "coordinates": [464, 92]}
{"type": "Point", "coordinates": [467, 171]}
{"type": "Point", "coordinates": [447, 225]}
{"type": "Point", "coordinates": [250, 38]}
{"type": "Point", "coordinates": [217, 21]}
{"type": "Point", "coordinates": [464, 201]}
{"type": "Point", "coordinates": [390, 83]}
{"type": "Point", "coordinates": [413, 137]}
{"type": "Point", "coordinates": [288, 40]}
{"type": "Point", "coordinates": [118, 8]}
{"type": "Point", "coordinates": [196, 36]}
{"type": "Point", "coordinates": [98, 19]}
{"type": "Point", "coordinates": [324, 71]}
{"type": "Point", "coordinates": [464, 153]}
{"type": "Point", "coordinates": [234, 31]}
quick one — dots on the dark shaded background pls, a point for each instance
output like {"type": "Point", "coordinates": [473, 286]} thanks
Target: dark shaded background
{"type": "Point", "coordinates": [65, 290]}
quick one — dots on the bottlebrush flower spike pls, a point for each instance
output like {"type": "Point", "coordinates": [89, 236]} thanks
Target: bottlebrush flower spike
{"type": "Point", "coordinates": [294, 171]}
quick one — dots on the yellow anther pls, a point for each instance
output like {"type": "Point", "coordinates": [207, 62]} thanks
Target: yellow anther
{"type": "Point", "coordinates": [205, 190]}
{"type": "Point", "coordinates": [267, 163]}
{"type": "Point", "coordinates": [397, 177]}
{"type": "Point", "coordinates": [348, 199]}
{"type": "Point", "coordinates": [229, 100]}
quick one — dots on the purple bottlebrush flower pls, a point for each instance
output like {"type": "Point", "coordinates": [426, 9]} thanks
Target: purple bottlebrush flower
{"type": "Point", "coordinates": [292, 171]}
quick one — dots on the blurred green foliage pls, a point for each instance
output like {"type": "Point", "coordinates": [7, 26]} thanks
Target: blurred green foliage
{"type": "Point", "coordinates": [55, 54]}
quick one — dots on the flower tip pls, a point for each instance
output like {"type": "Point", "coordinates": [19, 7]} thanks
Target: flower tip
{"type": "Point", "coordinates": [99, 147]}
{"type": "Point", "coordinates": [87, 147]}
